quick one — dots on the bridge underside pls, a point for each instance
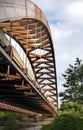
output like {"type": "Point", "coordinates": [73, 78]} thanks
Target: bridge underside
{"type": "Point", "coordinates": [17, 91]}
{"type": "Point", "coordinates": [29, 28]}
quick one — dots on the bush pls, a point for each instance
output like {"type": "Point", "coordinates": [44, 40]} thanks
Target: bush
{"type": "Point", "coordinates": [66, 122]}
{"type": "Point", "coordinates": [9, 117]}
{"type": "Point", "coordinates": [47, 127]}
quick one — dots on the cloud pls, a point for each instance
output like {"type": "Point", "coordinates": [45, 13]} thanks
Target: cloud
{"type": "Point", "coordinates": [75, 9]}
{"type": "Point", "coordinates": [46, 6]}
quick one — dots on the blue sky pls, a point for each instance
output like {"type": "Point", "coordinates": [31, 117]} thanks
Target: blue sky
{"type": "Point", "coordinates": [65, 18]}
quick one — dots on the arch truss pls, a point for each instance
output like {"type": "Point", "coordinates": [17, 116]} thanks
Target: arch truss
{"type": "Point", "coordinates": [25, 23]}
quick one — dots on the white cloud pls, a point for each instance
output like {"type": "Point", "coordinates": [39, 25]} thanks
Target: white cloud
{"type": "Point", "coordinates": [59, 31]}
{"type": "Point", "coordinates": [75, 9]}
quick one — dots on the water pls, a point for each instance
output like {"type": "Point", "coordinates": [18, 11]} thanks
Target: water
{"type": "Point", "coordinates": [19, 127]}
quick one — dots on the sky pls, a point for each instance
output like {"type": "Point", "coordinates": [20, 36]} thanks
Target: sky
{"type": "Point", "coordinates": [65, 18]}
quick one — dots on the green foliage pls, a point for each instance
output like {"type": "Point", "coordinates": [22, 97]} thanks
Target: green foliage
{"type": "Point", "coordinates": [47, 127]}
{"type": "Point", "coordinates": [70, 118]}
{"type": "Point", "coordinates": [73, 82]}
{"type": "Point", "coordinates": [72, 107]}
{"type": "Point", "coordinates": [68, 122]}
{"type": "Point", "coordinates": [65, 122]}
{"type": "Point", "coordinates": [9, 117]}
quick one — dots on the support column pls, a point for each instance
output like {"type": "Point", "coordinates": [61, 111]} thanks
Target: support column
{"type": "Point", "coordinates": [23, 117]}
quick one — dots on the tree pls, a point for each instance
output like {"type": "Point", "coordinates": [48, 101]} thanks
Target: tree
{"type": "Point", "coordinates": [73, 82]}
{"type": "Point", "coordinates": [65, 122]}
{"type": "Point", "coordinates": [72, 108]}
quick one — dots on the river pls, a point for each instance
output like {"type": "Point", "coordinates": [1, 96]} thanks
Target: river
{"type": "Point", "coordinates": [19, 127]}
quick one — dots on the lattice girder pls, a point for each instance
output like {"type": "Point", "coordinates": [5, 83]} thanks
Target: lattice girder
{"type": "Point", "coordinates": [33, 34]}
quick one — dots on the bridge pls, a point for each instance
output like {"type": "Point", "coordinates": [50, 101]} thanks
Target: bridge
{"type": "Point", "coordinates": [27, 85]}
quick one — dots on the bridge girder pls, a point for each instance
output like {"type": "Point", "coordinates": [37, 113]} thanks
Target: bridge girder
{"type": "Point", "coordinates": [29, 27]}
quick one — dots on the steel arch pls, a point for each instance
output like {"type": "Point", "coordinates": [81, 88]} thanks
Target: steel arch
{"type": "Point", "coordinates": [26, 23]}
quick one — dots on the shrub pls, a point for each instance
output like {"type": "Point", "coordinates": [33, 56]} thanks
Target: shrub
{"type": "Point", "coordinates": [66, 122]}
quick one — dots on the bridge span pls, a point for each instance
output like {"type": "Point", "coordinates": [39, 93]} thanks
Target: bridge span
{"type": "Point", "coordinates": [26, 89]}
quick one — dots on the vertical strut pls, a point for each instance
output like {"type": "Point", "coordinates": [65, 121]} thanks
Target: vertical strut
{"type": "Point", "coordinates": [8, 69]}
{"type": "Point", "coordinates": [22, 82]}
